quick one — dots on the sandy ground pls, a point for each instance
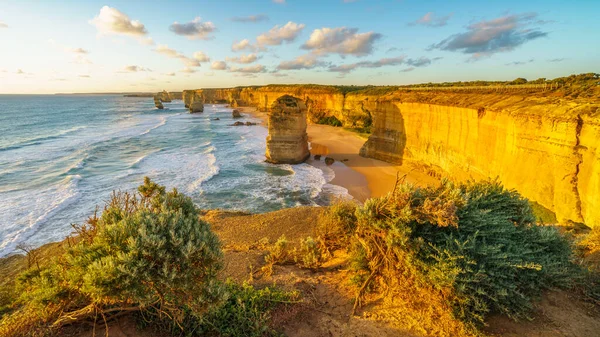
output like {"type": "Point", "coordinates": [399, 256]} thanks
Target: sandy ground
{"type": "Point", "coordinates": [363, 177]}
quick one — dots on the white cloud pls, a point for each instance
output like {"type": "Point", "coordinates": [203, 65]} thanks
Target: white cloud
{"type": "Point", "coordinates": [170, 74]}
{"type": "Point", "coordinates": [346, 68]}
{"type": "Point", "coordinates": [20, 72]}
{"type": "Point", "coordinates": [79, 54]}
{"type": "Point", "coordinates": [201, 57]}
{"type": "Point", "coordinates": [3, 25]}
{"type": "Point", "coordinates": [341, 40]}
{"type": "Point", "coordinates": [244, 59]}
{"type": "Point", "coordinates": [218, 65]}
{"type": "Point", "coordinates": [430, 20]}
{"type": "Point", "coordinates": [196, 29]}
{"type": "Point", "coordinates": [172, 53]}
{"type": "Point", "coordinates": [301, 62]}
{"type": "Point", "coordinates": [487, 37]}
{"type": "Point", "coordinates": [79, 51]}
{"type": "Point", "coordinates": [250, 18]}
{"type": "Point", "coordinates": [188, 70]}
{"type": "Point", "coordinates": [249, 69]}
{"type": "Point", "coordinates": [134, 69]}
{"type": "Point", "coordinates": [279, 1]}
{"type": "Point", "coordinates": [111, 21]}
{"type": "Point", "coordinates": [277, 35]}
{"type": "Point", "coordinates": [243, 45]}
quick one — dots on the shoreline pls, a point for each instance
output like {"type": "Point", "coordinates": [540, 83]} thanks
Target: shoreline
{"type": "Point", "coordinates": [362, 177]}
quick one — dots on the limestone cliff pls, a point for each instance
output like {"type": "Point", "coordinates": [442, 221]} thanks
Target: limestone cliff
{"type": "Point", "coordinates": [547, 149]}
{"type": "Point", "coordinates": [287, 142]}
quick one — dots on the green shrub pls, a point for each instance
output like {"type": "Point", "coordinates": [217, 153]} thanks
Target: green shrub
{"type": "Point", "coordinates": [337, 223]}
{"type": "Point", "coordinates": [542, 214]}
{"type": "Point", "coordinates": [309, 255]}
{"type": "Point", "coordinates": [146, 250]}
{"type": "Point", "coordinates": [329, 120]}
{"type": "Point", "coordinates": [476, 244]}
{"type": "Point", "coordinates": [245, 311]}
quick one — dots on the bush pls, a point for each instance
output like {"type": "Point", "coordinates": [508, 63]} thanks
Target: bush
{"type": "Point", "coordinates": [476, 245]}
{"type": "Point", "coordinates": [245, 311]}
{"type": "Point", "coordinates": [329, 120]}
{"type": "Point", "coordinates": [337, 223]}
{"type": "Point", "coordinates": [310, 254]}
{"type": "Point", "coordinates": [146, 251]}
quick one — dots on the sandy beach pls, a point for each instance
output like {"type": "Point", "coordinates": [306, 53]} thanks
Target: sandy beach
{"type": "Point", "coordinates": [363, 177]}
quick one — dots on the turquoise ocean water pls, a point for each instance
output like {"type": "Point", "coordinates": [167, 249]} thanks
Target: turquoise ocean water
{"type": "Point", "coordinates": [61, 156]}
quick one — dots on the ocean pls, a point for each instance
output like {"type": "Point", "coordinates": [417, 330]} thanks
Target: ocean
{"type": "Point", "coordinates": [61, 157]}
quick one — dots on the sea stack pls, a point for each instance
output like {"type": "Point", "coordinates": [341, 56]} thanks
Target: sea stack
{"type": "Point", "coordinates": [287, 142]}
{"type": "Point", "coordinates": [157, 102]}
{"type": "Point", "coordinates": [165, 96]}
{"type": "Point", "coordinates": [196, 105]}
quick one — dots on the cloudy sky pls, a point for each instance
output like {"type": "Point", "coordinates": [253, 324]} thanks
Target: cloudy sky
{"type": "Point", "coordinates": [99, 46]}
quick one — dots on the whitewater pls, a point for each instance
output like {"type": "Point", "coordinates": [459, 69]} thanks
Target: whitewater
{"type": "Point", "coordinates": [62, 156]}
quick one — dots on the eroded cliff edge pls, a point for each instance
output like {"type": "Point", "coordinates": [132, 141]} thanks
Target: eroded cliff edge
{"type": "Point", "coordinates": [544, 146]}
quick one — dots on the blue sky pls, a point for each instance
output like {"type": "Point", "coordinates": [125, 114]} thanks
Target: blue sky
{"type": "Point", "coordinates": [98, 46]}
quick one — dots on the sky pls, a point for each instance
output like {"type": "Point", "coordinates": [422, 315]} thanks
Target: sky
{"type": "Point", "coordinates": [144, 46]}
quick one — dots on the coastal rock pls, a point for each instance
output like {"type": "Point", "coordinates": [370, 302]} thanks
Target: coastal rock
{"type": "Point", "coordinates": [236, 114]}
{"type": "Point", "coordinates": [187, 96]}
{"type": "Point", "coordinates": [157, 103]}
{"type": "Point", "coordinates": [287, 142]}
{"type": "Point", "coordinates": [234, 103]}
{"type": "Point", "coordinates": [196, 107]}
{"type": "Point", "coordinates": [165, 96]}
{"type": "Point", "coordinates": [242, 124]}
{"type": "Point", "coordinates": [329, 161]}
{"type": "Point", "coordinates": [216, 119]}
{"type": "Point", "coordinates": [196, 104]}
{"type": "Point", "coordinates": [317, 157]}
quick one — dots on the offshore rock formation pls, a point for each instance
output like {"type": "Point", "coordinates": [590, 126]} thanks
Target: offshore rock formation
{"type": "Point", "coordinates": [157, 102]}
{"type": "Point", "coordinates": [165, 96]}
{"type": "Point", "coordinates": [543, 145]}
{"type": "Point", "coordinates": [196, 104]}
{"type": "Point", "coordinates": [287, 142]}
{"type": "Point", "coordinates": [236, 114]}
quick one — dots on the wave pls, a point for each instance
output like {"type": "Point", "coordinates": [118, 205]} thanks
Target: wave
{"type": "Point", "coordinates": [40, 140]}
{"type": "Point", "coordinates": [57, 199]}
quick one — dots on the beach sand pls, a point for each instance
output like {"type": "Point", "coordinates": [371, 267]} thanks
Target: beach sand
{"type": "Point", "coordinates": [363, 177]}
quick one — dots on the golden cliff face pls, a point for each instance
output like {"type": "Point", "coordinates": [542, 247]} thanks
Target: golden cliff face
{"type": "Point", "coordinates": [546, 149]}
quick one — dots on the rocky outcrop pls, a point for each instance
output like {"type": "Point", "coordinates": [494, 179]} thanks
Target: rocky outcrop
{"type": "Point", "coordinates": [236, 114]}
{"type": "Point", "coordinates": [287, 142]}
{"type": "Point", "coordinates": [165, 96]}
{"type": "Point", "coordinates": [196, 104]}
{"type": "Point", "coordinates": [157, 102]}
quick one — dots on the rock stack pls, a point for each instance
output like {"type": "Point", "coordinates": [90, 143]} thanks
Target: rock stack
{"type": "Point", "coordinates": [236, 114]}
{"type": "Point", "coordinates": [196, 104]}
{"type": "Point", "coordinates": [287, 142]}
{"type": "Point", "coordinates": [165, 96]}
{"type": "Point", "coordinates": [158, 103]}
